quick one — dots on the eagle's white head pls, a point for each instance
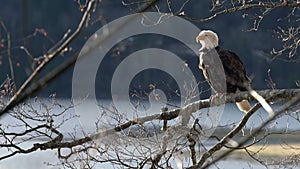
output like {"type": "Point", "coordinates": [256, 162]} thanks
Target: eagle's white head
{"type": "Point", "coordinates": [208, 39]}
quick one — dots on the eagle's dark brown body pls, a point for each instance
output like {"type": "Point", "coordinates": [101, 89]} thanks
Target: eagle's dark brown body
{"type": "Point", "coordinates": [220, 66]}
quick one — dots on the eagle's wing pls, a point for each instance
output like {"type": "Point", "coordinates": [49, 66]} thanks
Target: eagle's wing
{"type": "Point", "coordinates": [234, 70]}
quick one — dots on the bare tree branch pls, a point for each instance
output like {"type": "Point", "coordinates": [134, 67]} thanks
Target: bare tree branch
{"type": "Point", "coordinates": [48, 57]}
{"type": "Point", "coordinates": [244, 7]}
{"type": "Point", "coordinates": [278, 112]}
{"type": "Point", "coordinates": [270, 95]}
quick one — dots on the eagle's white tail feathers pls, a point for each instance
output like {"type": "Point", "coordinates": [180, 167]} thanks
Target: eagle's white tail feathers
{"type": "Point", "coordinates": [244, 105]}
{"type": "Point", "coordinates": [262, 101]}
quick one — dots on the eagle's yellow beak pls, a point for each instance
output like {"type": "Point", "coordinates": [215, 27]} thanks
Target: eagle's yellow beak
{"type": "Point", "coordinates": [198, 38]}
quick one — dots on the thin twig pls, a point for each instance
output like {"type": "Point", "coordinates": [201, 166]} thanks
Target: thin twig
{"type": "Point", "coordinates": [192, 142]}
{"type": "Point", "coordinates": [11, 67]}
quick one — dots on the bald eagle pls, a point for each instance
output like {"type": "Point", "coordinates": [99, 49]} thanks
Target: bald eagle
{"type": "Point", "coordinates": [221, 66]}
